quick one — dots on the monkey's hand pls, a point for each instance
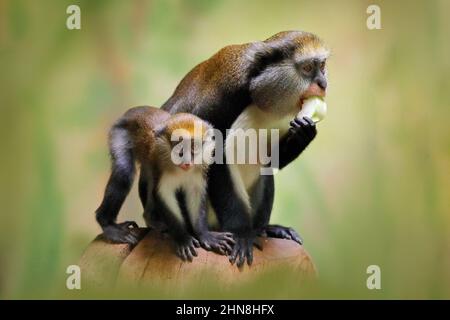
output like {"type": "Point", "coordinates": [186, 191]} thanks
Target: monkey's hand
{"type": "Point", "coordinates": [281, 232]}
{"type": "Point", "coordinates": [243, 250]}
{"type": "Point", "coordinates": [303, 131]}
{"type": "Point", "coordinates": [186, 248]}
{"type": "Point", "coordinates": [125, 232]}
{"type": "Point", "coordinates": [219, 242]}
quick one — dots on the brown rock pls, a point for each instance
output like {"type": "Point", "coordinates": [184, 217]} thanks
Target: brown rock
{"type": "Point", "coordinates": [153, 262]}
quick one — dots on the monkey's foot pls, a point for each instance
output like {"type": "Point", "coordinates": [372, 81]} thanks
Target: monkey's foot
{"type": "Point", "coordinates": [277, 231]}
{"type": "Point", "coordinates": [219, 242]}
{"type": "Point", "coordinates": [243, 250]}
{"type": "Point", "coordinates": [186, 249]}
{"type": "Point", "coordinates": [125, 232]}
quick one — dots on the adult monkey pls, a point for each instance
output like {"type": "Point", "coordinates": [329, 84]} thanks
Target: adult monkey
{"type": "Point", "coordinates": [254, 85]}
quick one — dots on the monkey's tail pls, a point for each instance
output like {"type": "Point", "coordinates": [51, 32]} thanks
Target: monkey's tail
{"type": "Point", "coordinates": [123, 170]}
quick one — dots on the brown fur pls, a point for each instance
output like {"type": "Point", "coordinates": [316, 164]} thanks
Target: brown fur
{"type": "Point", "coordinates": [150, 130]}
{"type": "Point", "coordinates": [225, 68]}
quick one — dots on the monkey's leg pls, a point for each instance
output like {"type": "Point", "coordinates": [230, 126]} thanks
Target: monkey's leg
{"type": "Point", "coordinates": [117, 189]}
{"type": "Point", "coordinates": [232, 214]}
{"type": "Point", "coordinates": [152, 217]}
{"type": "Point", "coordinates": [299, 136]}
{"type": "Point", "coordinates": [219, 242]}
{"type": "Point", "coordinates": [262, 200]}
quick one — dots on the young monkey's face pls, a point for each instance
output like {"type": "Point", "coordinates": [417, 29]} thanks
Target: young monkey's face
{"type": "Point", "coordinates": [190, 152]}
{"type": "Point", "coordinates": [191, 144]}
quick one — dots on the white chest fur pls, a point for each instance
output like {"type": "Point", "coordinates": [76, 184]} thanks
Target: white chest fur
{"type": "Point", "coordinates": [191, 182]}
{"type": "Point", "coordinates": [245, 175]}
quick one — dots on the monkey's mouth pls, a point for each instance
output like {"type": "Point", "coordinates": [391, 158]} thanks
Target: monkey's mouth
{"type": "Point", "coordinates": [313, 91]}
{"type": "Point", "coordinates": [185, 166]}
{"type": "Point", "coordinates": [313, 108]}
{"type": "Point", "coordinates": [310, 94]}
{"type": "Point", "coordinates": [303, 98]}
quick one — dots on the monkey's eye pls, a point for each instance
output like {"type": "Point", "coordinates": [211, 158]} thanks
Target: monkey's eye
{"type": "Point", "coordinates": [196, 146]}
{"type": "Point", "coordinates": [181, 152]}
{"type": "Point", "coordinates": [307, 68]}
{"type": "Point", "coordinates": [322, 66]}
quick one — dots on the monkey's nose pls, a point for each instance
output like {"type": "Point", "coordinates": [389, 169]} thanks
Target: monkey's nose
{"type": "Point", "coordinates": [322, 83]}
{"type": "Point", "coordinates": [185, 166]}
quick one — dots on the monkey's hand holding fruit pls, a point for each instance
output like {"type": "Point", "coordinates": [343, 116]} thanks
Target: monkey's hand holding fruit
{"type": "Point", "coordinates": [303, 127]}
{"type": "Point", "coordinates": [301, 132]}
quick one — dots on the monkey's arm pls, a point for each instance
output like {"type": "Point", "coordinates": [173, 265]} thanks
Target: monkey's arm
{"type": "Point", "coordinates": [220, 242]}
{"type": "Point", "coordinates": [232, 214]}
{"type": "Point", "coordinates": [299, 136]}
{"type": "Point", "coordinates": [167, 207]}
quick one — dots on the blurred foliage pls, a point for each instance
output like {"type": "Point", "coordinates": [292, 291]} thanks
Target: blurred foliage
{"type": "Point", "coordinates": [372, 189]}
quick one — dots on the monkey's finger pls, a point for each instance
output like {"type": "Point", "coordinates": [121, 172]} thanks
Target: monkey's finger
{"type": "Point", "coordinates": [293, 124]}
{"type": "Point", "coordinates": [241, 257]}
{"type": "Point", "coordinates": [302, 122]}
{"type": "Point", "coordinates": [225, 246]}
{"type": "Point", "coordinates": [228, 234]}
{"type": "Point", "coordinates": [196, 243]}
{"type": "Point", "coordinates": [188, 254]}
{"type": "Point", "coordinates": [205, 245]}
{"type": "Point", "coordinates": [180, 254]}
{"type": "Point", "coordinates": [233, 254]}
{"type": "Point", "coordinates": [310, 121]}
{"type": "Point", "coordinates": [249, 252]}
{"type": "Point", "coordinates": [226, 237]}
{"type": "Point", "coordinates": [136, 233]}
{"type": "Point", "coordinates": [296, 237]}
{"type": "Point", "coordinates": [227, 249]}
{"type": "Point", "coordinates": [310, 128]}
{"type": "Point", "coordinates": [219, 249]}
{"type": "Point", "coordinates": [229, 246]}
{"type": "Point", "coordinates": [131, 239]}
{"type": "Point", "coordinates": [193, 251]}
{"type": "Point", "coordinates": [298, 122]}
{"type": "Point", "coordinates": [286, 235]}
{"type": "Point", "coordinates": [298, 240]}
{"type": "Point", "coordinates": [299, 126]}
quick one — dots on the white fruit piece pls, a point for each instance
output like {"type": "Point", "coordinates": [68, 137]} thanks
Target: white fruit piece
{"type": "Point", "coordinates": [314, 108]}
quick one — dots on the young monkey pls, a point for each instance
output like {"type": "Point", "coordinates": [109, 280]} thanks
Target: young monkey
{"type": "Point", "coordinates": [174, 153]}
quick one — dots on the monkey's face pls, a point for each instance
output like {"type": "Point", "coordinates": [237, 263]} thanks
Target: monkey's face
{"type": "Point", "coordinates": [192, 152]}
{"type": "Point", "coordinates": [282, 85]}
{"type": "Point", "coordinates": [191, 142]}
{"type": "Point", "coordinates": [314, 77]}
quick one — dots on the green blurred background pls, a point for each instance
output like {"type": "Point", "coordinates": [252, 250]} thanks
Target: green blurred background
{"type": "Point", "coordinates": [374, 187]}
